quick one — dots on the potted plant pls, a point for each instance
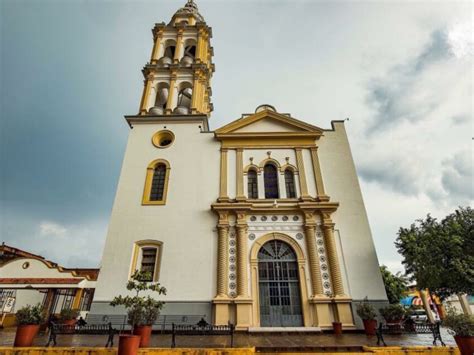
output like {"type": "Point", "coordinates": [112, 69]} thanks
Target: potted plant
{"type": "Point", "coordinates": [368, 315]}
{"type": "Point", "coordinates": [68, 316]}
{"type": "Point", "coordinates": [28, 320]}
{"type": "Point", "coordinates": [461, 326]}
{"type": "Point", "coordinates": [142, 310]}
{"type": "Point", "coordinates": [393, 313]}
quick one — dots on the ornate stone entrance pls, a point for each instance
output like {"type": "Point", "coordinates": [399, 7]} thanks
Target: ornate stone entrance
{"type": "Point", "coordinates": [279, 286]}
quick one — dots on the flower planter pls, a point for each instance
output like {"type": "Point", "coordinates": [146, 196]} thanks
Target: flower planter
{"type": "Point", "coordinates": [128, 344]}
{"type": "Point", "coordinates": [337, 327]}
{"type": "Point", "coordinates": [25, 334]}
{"type": "Point", "coordinates": [144, 331]}
{"type": "Point", "coordinates": [69, 322]}
{"type": "Point", "coordinates": [465, 344]}
{"type": "Point", "coordinates": [370, 326]}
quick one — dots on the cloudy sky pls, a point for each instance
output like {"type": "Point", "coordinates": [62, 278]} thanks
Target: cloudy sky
{"type": "Point", "coordinates": [401, 71]}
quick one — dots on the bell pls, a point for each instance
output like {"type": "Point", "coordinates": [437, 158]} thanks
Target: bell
{"type": "Point", "coordinates": [165, 61]}
{"type": "Point", "coordinates": [156, 110]}
{"type": "Point", "coordinates": [187, 61]}
{"type": "Point", "coordinates": [181, 110]}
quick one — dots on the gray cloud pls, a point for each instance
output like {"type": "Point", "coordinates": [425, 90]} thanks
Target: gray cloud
{"type": "Point", "coordinates": [395, 98]}
{"type": "Point", "coordinates": [458, 178]}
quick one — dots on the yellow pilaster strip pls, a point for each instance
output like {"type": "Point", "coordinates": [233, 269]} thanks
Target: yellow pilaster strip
{"type": "Point", "coordinates": [333, 260]}
{"type": "Point", "coordinates": [146, 94]}
{"type": "Point", "coordinates": [199, 45]}
{"type": "Point", "coordinates": [194, 99]}
{"type": "Point", "coordinates": [317, 175]}
{"type": "Point", "coordinates": [239, 175]}
{"type": "Point", "coordinates": [76, 303]}
{"type": "Point", "coordinates": [169, 103]}
{"type": "Point", "coordinates": [315, 272]}
{"type": "Point", "coordinates": [302, 174]}
{"type": "Point", "coordinates": [223, 181]}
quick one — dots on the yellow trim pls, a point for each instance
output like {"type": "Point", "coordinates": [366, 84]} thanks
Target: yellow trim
{"type": "Point", "coordinates": [243, 122]}
{"type": "Point", "coordinates": [252, 167]}
{"type": "Point", "coordinates": [149, 179]}
{"type": "Point", "coordinates": [239, 195]}
{"type": "Point", "coordinates": [302, 174]}
{"type": "Point", "coordinates": [301, 260]}
{"type": "Point", "coordinates": [155, 140]}
{"type": "Point", "coordinates": [223, 178]}
{"type": "Point", "coordinates": [271, 161]}
{"type": "Point", "coordinates": [265, 141]}
{"type": "Point", "coordinates": [293, 168]}
{"type": "Point", "coordinates": [145, 243]}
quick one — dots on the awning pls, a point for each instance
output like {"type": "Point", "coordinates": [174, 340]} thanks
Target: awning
{"type": "Point", "coordinates": [407, 301]}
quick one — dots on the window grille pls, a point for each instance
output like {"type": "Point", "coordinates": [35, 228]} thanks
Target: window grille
{"type": "Point", "coordinates": [290, 184]}
{"type": "Point", "coordinates": [252, 184]}
{"type": "Point", "coordinates": [158, 183]}
{"type": "Point", "coordinates": [149, 261]}
{"type": "Point", "coordinates": [270, 176]}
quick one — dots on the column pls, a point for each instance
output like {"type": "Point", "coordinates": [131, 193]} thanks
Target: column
{"type": "Point", "coordinates": [318, 176]}
{"type": "Point", "coordinates": [222, 260]}
{"type": "Point", "coordinates": [171, 95]}
{"type": "Point", "coordinates": [157, 47]}
{"type": "Point", "coordinates": [194, 99]}
{"type": "Point", "coordinates": [146, 94]}
{"type": "Point", "coordinates": [315, 272]}
{"type": "Point", "coordinates": [223, 178]}
{"type": "Point", "coordinates": [243, 302]}
{"type": "Point", "coordinates": [199, 45]}
{"type": "Point", "coordinates": [77, 298]}
{"type": "Point", "coordinates": [239, 196]}
{"type": "Point", "coordinates": [179, 46]}
{"type": "Point", "coordinates": [333, 260]}
{"type": "Point", "coordinates": [242, 277]}
{"type": "Point", "coordinates": [301, 174]}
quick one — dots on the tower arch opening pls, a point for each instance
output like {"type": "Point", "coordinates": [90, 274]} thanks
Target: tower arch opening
{"type": "Point", "coordinates": [185, 94]}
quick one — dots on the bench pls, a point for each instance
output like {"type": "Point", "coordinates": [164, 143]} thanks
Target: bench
{"type": "Point", "coordinates": [409, 328]}
{"type": "Point", "coordinates": [202, 328]}
{"type": "Point", "coordinates": [93, 329]}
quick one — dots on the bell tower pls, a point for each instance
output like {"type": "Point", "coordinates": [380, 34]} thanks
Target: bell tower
{"type": "Point", "coordinates": [178, 76]}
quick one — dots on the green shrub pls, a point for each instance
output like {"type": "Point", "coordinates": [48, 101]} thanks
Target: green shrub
{"type": "Point", "coordinates": [393, 312]}
{"type": "Point", "coordinates": [30, 315]}
{"type": "Point", "coordinates": [68, 314]}
{"type": "Point", "coordinates": [459, 323]}
{"type": "Point", "coordinates": [365, 310]}
{"type": "Point", "coordinates": [141, 310]}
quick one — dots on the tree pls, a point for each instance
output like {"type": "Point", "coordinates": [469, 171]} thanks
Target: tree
{"type": "Point", "coordinates": [395, 284]}
{"type": "Point", "coordinates": [440, 255]}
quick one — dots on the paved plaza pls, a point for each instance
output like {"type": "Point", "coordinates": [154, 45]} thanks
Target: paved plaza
{"type": "Point", "coordinates": [282, 341]}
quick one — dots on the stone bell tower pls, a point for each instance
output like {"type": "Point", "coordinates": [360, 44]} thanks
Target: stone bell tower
{"type": "Point", "coordinates": [178, 76]}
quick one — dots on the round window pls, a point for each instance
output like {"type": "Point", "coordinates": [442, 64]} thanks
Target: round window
{"type": "Point", "coordinates": [163, 139]}
{"type": "Point", "coordinates": [26, 265]}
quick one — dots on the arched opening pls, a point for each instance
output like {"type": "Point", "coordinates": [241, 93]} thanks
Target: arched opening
{"type": "Point", "coordinates": [252, 184]}
{"type": "Point", "coordinates": [185, 95]}
{"type": "Point", "coordinates": [162, 92]}
{"type": "Point", "coordinates": [189, 53]}
{"type": "Point", "coordinates": [270, 177]}
{"type": "Point", "coordinates": [279, 286]}
{"type": "Point", "coordinates": [290, 184]}
{"type": "Point", "coordinates": [168, 53]}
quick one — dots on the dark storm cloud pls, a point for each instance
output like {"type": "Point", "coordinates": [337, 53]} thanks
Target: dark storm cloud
{"type": "Point", "coordinates": [393, 98]}
{"type": "Point", "coordinates": [458, 177]}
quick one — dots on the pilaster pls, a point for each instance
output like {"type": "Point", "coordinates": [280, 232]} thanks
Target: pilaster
{"type": "Point", "coordinates": [223, 178]}
{"type": "Point", "coordinates": [318, 176]}
{"type": "Point", "coordinates": [302, 175]}
{"type": "Point", "coordinates": [243, 301]}
{"type": "Point", "coordinates": [146, 94]}
{"type": "Point", "coordinates": [172, 93]}
{"type": "Point", "coordinates": [239, 175]}
{"type": "Point", "coordinates": [157, 46]}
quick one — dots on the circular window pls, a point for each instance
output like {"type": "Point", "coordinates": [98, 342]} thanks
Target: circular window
{"type": "Point", "coordinates": [163, 139]}
{"type": "Point", "coordinates": [26, 265]}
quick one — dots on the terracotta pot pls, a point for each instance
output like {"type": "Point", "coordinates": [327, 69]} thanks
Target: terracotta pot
{"type": "Point", "coordinates": [465, 344]}
{"type": "Point", "coordinates": [25, 334]}
{"type": "Point", "coordinates": [128, 344]}
{"type": "Point", "coordinates": [370, 326]}
{"type": "Point", "coordinates": [337, 327]}
{"type": "Point", "coordinates": [145, 334]}
{"type": "Point", "coordinates": [69, 322]}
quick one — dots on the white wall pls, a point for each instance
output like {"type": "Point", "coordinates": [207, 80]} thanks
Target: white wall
{"type": "Point", "coordinates": [342, 185]}
{"type": "Point", "coordinates": [185, 225]}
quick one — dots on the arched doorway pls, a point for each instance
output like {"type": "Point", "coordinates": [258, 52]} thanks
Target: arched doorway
{"type": "Point", "coordinates": [279, 286]}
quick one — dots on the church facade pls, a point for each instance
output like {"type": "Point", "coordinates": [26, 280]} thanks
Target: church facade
{"type": "Point", "coordinates": [260, 222]}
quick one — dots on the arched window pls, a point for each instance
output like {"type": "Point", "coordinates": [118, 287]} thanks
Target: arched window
{"type": "Point", "coordinates": [252, 185]}
{"type": "Point", "coordinates": [156, 183]}
{"type": "Point", "coordinates": [270, 176]}
{"type": "Point", "coordinates": [290, 184]}
{"type": "Point", "coordinates": [185, 94]}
